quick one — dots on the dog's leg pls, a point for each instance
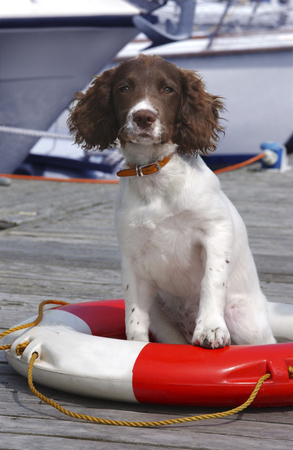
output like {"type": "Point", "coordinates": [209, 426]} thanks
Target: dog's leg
{"type": "Point", "coordinates": [211, 330]}
{"type": "Point", "coordinates": [139, 296]}
{"type": "Point", "coordinates": [248, 320]}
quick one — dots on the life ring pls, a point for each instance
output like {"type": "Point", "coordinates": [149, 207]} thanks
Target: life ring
{"type": "Point", "coordinates": [83, 350]}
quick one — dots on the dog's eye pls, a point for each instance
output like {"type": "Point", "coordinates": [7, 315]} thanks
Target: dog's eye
{"type": "Point", "coordinates": [168, 90]}
{"type": "Point", "coordinates": [125, 89]}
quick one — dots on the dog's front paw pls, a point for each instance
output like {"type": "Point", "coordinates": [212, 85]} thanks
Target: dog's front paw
{"type": "Point", "coordinates": [211, 337]}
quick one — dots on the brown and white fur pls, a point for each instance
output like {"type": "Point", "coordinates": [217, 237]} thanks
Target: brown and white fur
{"type": "Point", "coordinates": [188, 272]}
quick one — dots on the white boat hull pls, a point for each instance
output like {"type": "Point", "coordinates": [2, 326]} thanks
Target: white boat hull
{"type": "Point", "coordinates": [41, 68]}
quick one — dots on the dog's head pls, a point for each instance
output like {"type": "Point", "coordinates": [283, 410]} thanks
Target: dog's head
{"type": "Point", "coordinates": [147, 100]}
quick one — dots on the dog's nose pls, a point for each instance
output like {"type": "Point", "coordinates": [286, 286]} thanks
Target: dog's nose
{"type": "Point", "coordinates": [144, 118]}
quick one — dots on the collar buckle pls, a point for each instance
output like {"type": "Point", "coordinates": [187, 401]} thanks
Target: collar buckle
{"type": "Point", "coordinates": [139, 172]}
{"type": "Point", "coordinates": [139, 169]}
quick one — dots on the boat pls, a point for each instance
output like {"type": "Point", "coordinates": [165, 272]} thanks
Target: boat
{"type": "Point", "coordinates": [242, 49]}
{"type": "Point", "coordinates": [49, 50]}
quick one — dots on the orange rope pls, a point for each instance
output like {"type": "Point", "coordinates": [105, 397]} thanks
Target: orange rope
{"type": "Point", "coordinates": [242, 164]}
{"type": "Point", "coordinates": [67, 180]}
{"type": "Point", "coordinates": [116, 181]}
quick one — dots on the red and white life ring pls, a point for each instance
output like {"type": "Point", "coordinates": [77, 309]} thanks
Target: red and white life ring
{"type": "Point", "coordinates": [83, 350]}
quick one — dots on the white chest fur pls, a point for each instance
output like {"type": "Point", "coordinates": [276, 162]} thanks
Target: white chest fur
{"type": "Point", "coordinates": [161, 225]}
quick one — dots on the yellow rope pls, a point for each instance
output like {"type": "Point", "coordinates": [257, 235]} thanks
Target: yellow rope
{"type": "Point", "coordinates": [21, 348]}
{"type": "Point", "coordinates": [31, 324]}
{"type": "Point", "coordinates": [140, 424]}
{"type": "Point", "coordinates": [5, 347]}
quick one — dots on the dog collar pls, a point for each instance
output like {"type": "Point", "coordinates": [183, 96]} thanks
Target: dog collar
{"type": "Point", "coordinates": [140, 171]}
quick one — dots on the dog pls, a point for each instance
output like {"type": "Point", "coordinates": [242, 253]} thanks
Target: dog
{"type": "Point", "coordinates": [187, 269]}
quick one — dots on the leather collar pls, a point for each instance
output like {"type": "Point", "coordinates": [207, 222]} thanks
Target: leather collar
{"type": "Point", "coordinates": [140, 171]}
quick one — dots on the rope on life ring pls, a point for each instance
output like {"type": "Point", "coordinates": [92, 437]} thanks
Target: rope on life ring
{"type": "Point", "coordinates": [21, 347]}
{"type": "Point", "coordinates": [141, 424]}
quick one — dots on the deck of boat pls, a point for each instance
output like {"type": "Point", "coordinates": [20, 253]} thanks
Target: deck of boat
{"type": "Point", "coordinates": [57, 241]}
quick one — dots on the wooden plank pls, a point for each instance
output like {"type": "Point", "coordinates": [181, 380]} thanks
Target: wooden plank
{"type": "Point", "coordinates": [217, 434]}
{"type": "Point", "coordinates": [16, 399]}
{"type": "Point", "coordinates": [21, 442]}
{"type": "Point", "coordinates": [47, 199]}
{"type": "Point", "coordinates": [58, 289]}
{"type": "Point", "coordinates": [277, 292]}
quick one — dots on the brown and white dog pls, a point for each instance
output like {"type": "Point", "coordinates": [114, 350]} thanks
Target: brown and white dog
{"type": "Point", "coordinates": [188, 272]}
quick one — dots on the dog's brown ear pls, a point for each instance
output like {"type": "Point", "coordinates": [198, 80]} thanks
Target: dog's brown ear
{"type": "Point", "coordinates": [198, 124]}
{"type": "Point", "coordinates": [92, 120]}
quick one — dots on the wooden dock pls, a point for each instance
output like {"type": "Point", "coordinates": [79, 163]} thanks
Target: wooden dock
{"type": "Point", "coordinates": [57, 240]}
